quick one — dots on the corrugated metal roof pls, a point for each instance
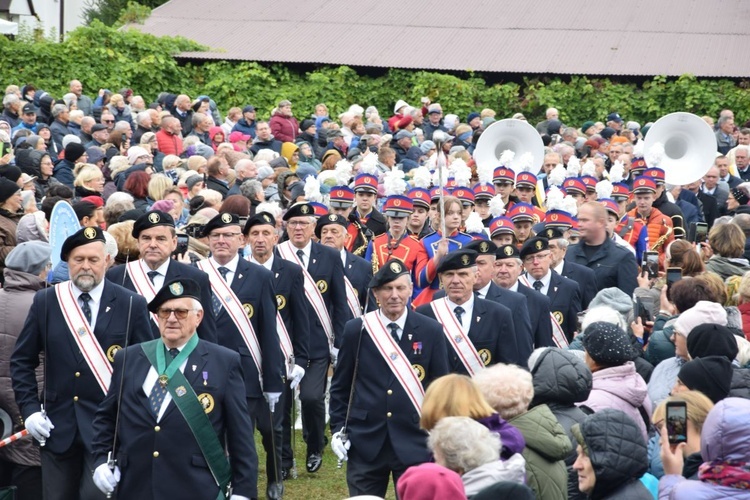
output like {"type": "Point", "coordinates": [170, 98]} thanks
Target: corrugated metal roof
{"type": "Point", "coordinates": [636, 37]}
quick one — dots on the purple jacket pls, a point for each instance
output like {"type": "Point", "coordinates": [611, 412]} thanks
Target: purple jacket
{"type": "Point", "coordinates": [510, 437]}
{"type": "Point", "coordinates": [725, 437]}
{"type": "Point", "coordinates": [621, 388]}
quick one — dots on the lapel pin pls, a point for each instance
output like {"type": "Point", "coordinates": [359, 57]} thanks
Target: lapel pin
{"type": "Point", "coordinates": [555, 288]}
{"type": "Point", "coordinates": [239, 276]}
{"type": "Point", "coordinates": [205, 378]}
{"type": "Point", "coordinates": [277, 275]}
{"type": "Point", "coordinates": [409, 335]}
{"type": "Point", "coordinates": [478, 318]}
{"type": "Point", "coordinates": [195, 367]}
{"type": "Point", "coordinates": [107, 309]}
{"type": "Point", "coordinates": [314, 261]}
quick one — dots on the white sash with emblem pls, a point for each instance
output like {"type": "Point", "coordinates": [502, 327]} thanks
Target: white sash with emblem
{"type": "Point", "coordinates": [83, 335]}
{"type": "Point", "coordinates": [236, 310]}
{"type": "Point", "coordinates": [352, 298]}
{"type": "Point", "coordinates": [143, 286]}
{"type": "Point", "coordinates": [395, 358]}
{"type": "Point", "coordinates": [289, 252]}
{"type": "Point", "coordinates": [458, 336]}
{"type": "Point", "coordinates": [558, 335]}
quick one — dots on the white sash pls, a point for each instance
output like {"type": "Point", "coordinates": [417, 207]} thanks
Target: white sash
{"type": "Point", "coordinates": [558, 335]}
{"type": "Point", "coordinates": [143, 286]}
{"type": "Point", "coordinates": [352, 299]}
{"type": "Point", "coordinates": [395, 358]}
{"type": "Point", "coordinates": [233, 306]}
{"type": "Point", "coordinates": [83, 335]}
{"type": "Point", "coordinates": [289, 252]}
{"type": "Point", "coordinates": [458, 336]}
{"type": "Point", "coordinates": [286, 343]}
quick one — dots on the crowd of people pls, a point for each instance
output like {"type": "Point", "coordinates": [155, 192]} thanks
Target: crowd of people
{"type": "Point", "coordinates": [521, 328]}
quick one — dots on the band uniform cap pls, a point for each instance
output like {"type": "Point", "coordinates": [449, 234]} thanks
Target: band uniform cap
{"type": "Point", "coordinates": [366, 182]}
{"type": "Point", "coordinates": [502, 225]}
{"type": "Point", "coordinates": [502, 174]}
{"type": "Point", "coordinates": [329, 219]}
{"type": "Point", "coordinates": [81, 237]}
{"type": "Point", "coordinates": [611, 206]}
{"type": "Point", "coordinates": [526, 179]}
{"type": "Point", "coordinates": [221, 220]}
{"type": "Point", "coordinates": [398, 206]}
{"type": "Point", "coordinates": [657, 174]}
{"type": "Point", "coordinates": [151, 219]}
{"type": "Point", "coordinates": [420, 196]}
{"type": "Point", "coordinates": [435, 193]}
{"type": "Point", "coordinates": [558, 218]}
{"type": "Point", "coordinates": [299, 209]}
{"type": "Point", "coordinates": [507, 252]}
{"type": "Point", "coordinates": [574, 185]}
{"type": "Point", "coordinates": [590, 182]}
{"type": "Point", "coordinates": [261, 219]}
{"type": "Point", "coordinates": [482, 247]}
{"type": "Point", "coordinates": [341, 196]}
{"type": "Point", "coordinates": [644, 184]}
{"type": "Point", "coordinates": [521, 212]}
{"type": "Point", "coordinates": [390, 271]}
{"type": "Point", "coordinates": [620, 190]}
{"type": "Point", "coordinates": [457, 259]}
{"type": "Point", "coordinates": [637, 165]}
{"type": "Point", "coordinates": [484, 191]}
{"type": "Point", "coordinates": [464, 194]}
{"type": "Point", "coordinates": [533, 246]}
{"type": "Point", "coordinates": [179, 288]}
{"type": "Point", "coordinates": [319, 209]}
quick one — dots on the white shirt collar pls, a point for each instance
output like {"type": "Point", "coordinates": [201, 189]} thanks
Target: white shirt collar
{"type": "Point", "coordinates": [483, 291]}
{"type": "Point", "coordinates": [162, 269]}
{"type": "Point", "coordinates": [267, 264]}
{"type": "Point", "coordinates": [514, 287]}
{"type": "Point", "coordinates": [558, 269]}
{"type": "Point", "coordinates": [468, 308]}
{"type": "Point", "coordinates": [343, 257]}
{"type": "Point", "coordinates": [544, 279]}
{"type": "Point", "coordinates": [231, 265]}
{"type": "Point", "coordinates": [95, 293]}
{"type": "Point", "coordinates": [401, 321]}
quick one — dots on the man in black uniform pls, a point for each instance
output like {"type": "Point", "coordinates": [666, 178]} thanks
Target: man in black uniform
{"type": "Point", "coordinates": [79, 325]}
{"type": "Point", "coordinates": [407, 351]}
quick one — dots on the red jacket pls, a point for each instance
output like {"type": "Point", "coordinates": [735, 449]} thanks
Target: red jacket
{"type": "Point", "coordinates": [169, 144]}
{"type": "Point", "coordinates": [745, 311]}
{"type": "Point", "coordinates": [284, 128]}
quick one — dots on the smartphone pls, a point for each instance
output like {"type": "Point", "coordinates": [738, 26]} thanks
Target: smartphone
{"type": "Point", "coordinates": [697, 232]}
{"type": "Point", "coordinates": [182, 245]}
{"type": "Point", "coordinates": [651, 264]}
{"type": "Point", "coordinates": [677, 422]}
{"type": "Point", "coordinates": [123, 138]}
{"type": "Point", "coordinates": [674, 274]}
{"type": "Point", "coordinates": [641, 311]}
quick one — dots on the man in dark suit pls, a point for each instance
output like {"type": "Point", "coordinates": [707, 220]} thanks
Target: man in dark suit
{"type": "Point", "coordinates": [331, 232]}
{"type": "Point", "coordinates": [157, 240]}
{"type": "Point", "coordinates": [179, 400]}
{"type": "Point", "coordinates": [582, 275]}
{"type": "Point", "coordinates": [86, 308]}
{"type": "Point", "coordinates": [261, 235]}
{"type": "Point", "coordinates": [508, 268]}
{"type": "Point", "coordinates": [487, 325]}
{"type": "Point", "coordinates": [257, 342]}
{"type": "Point", "coordinates": [327, 312]}
{"type": "Point", "coordinates": [378, 431]}
{"type": "Point", "coordinates": [564, 295]}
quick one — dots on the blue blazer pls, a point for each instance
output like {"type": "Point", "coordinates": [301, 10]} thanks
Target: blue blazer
{"type": "Point", "coordinates": [565, 303]}
{"type": "Point", "coordinates": [539, 309]}
{"type": "Point", "coordinates": [586, 279]}
{"type": "Point", "coordinates": [73, 394]}
{"type": "Point", "coordinates": [359, 272]}
{"type": "Point", "coordinates": [289, 284]}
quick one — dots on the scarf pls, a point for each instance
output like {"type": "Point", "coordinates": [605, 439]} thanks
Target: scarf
{"type": "Point", "coordinates": [730, 473]}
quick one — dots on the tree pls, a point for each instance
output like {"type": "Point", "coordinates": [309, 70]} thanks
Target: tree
{"type": "Point", "coordinates": [117, 12]}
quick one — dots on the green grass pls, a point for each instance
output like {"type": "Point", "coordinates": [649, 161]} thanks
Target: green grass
{"type": "Point", "coordinates": [328, 483]}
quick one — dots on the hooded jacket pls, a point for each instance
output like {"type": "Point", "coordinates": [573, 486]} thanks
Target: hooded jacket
{"type": "Point", "coordinates": [725, 436]}
{"type": "Point", "coordinates": [621, 388]}
{"type": "Point", "coordinates": [726, 267]}
{"type": "Point", "coordinates": [284, 128]}
{"type": "Point", "coordinates": [510, 437]}
{"type": "Point", "coordinates": [513, 470]}
{"type": "Point", "coordinates": [547, 446]}
{"type": "Point", "coordinates": [287, 150]}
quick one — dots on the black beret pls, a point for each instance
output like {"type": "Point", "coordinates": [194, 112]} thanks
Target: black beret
{"type": "Point", "coordinates": [711, 375]}
{"type": "Point", "coordinates": [551, 233]}
{"type": "Point", "coordinates": [710, 339]}
{"type": "Point", "coordinates": [179, 288]}
{"type": "Point", "coordinates": [507, 252]}
{"type": "Point", "coordinates": [260, 219]}
{"type": "Point", "coordinates": [482, 247]}
{"type": "Point", "coordinates": [534, 245]}
{"type": "Point", "coordinates": [329, 219]}
{"type": "Point", "coordinates": [7, 189]}
{"type": "Point", "coordinates": [81, 237]}
{"type": "Point", "coordinates": [221, 220]}
{"type": "Point", "coordinates": [300, 209]}
{"type": "Point", "coordinates": [388, 272]}
{"type": "Point", "coordinates": [151, 219]}
{"type": "Point", "coordinates": [84, 209]}
{"type": "Point", "coordinates": [457, 259]}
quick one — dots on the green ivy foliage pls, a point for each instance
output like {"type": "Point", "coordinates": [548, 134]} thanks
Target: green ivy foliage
{"type": "Point", "coordinates": [103, 57]}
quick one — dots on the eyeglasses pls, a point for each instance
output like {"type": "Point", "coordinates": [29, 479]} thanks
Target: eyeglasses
{"type": "Point", "coordinates": [108, 121]}
{"type": "Point", "coordinates": [164, 313]}
{"type": "Point", "coordinates": [539, 256]}
{"type": "Point", "coordinates": [298, 223]}
{"type": "Point", "coordinates": [226, 236]}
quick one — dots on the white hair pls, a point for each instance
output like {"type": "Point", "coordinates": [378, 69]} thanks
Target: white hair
{"type": "Point", "coordinates": [463, 443]}
{"type": "Point", "coordinates": [606, 314]}
{"type": "Point", "coordinates": [196, 304]}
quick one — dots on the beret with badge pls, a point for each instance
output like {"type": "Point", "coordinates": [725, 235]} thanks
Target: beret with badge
{"type": "Point", "coordinates": [482, 247]}
{"type": "Point", "coordinates": [328, 220]}
{"type": "Point", "coordinates": [179, 288]}
{"type": "Point", "coordinates": [221, 220]}
{"type": "Point", "coordinates": [533, 246]}
{"type": "Point", "coordinates": [457, 259]}
{"type": "Point", "coordinates": [507, 252]}
{"type": "Point", "coordinates": [261, 219]}
{"type": "Point", "coordinates": [79, 238]}
{"type": "Point", "coordinates": [551, 233]}
{"type": "Point", "coordinates": [151, 219]}
{"type": "Point", "coordinates": [390, 271]}
{"type": "Point", "coordinates": [300, 209]}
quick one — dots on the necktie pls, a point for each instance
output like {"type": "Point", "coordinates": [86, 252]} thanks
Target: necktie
{"type": "Point", "coordinates": [223, 271]}
{"type": "Point", "coordinates": [152, 275]}
{"type": "Point", "coordinates": [458, 311]}
{"type": "Point", "coordinates": [394, 331]}
{"type": "Point", "coordinates": [301, 256]}
{"type": "Point", "coordinates": [538, 285]}
{"type": "Point", "coordinates": [158, 393]}
{"type": "Point", "coordinates": [215, 302]}
{"type": "Point", "coordinates": [85, 307]}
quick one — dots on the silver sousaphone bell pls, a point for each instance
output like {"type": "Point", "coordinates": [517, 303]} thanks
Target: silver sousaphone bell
{"type": "Point", "coordinates": [514, 135]}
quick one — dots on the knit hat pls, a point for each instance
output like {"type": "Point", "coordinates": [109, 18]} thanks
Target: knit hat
{"type": "Point", "coordinates": [136, 152]}
{"type": "Point", "coordinates": [614, 298]}
{"type": "Point", "coordinates": [701, 313]}
{"type": "Point", "coordinates": [163, 205]}
{"type": "Point", "coordinates": [29, 257]}
{"type": "Point", "coordinates": [711, 375]}
{"type": "Point", "coordinates": [69, 138]}
{"type": "Point", "coordinates": [297, 189]}
{"type": "Point", "coordinates": [426, 146]}
{"type": "Point", "coordinates": [306, 124]}
{"type": "Point", "coordinates": [264, 172]}
{"type": "Point", "coordinates": [608, 344]}
{"type": "Point", "coordinates": [74, 151]}
{"type": "Point", "coordinates": [191, 181]}
{"type": "Point", "coordinates": [587, 125]}
{"type": "Point", "coordinates": [7, 189]}
{"type": "Point", "coordinates": [429, 481]}
{"type": "Point", "coordinates": [11, 172]}
{"type": "Point", "coordinates": [712, 340]}
{"type": "Point", "coordinates": [607, 132]}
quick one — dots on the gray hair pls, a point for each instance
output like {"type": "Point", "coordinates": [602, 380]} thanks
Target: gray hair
{"type": "Point", "coordinates": [10, 100]}
{"type": "Point", "coordinates": [70, 98]}
{"type": "Point", "coordinates": [463, 443]}
{"type": "Point", "coordinates": [724, 119]}
{"type": "Point", "coordinates": [141, 117]}
{"type": "Point", "coordinates": [121, 199]}
{"type": "Point", "coordinates": [122, 126]}
{"type": "Point", "coordinates": [250, 189]}
{"type": "Point", "coordinates": [198, 119]}
{"type": "Point", "coordinates": [743, 148]}
{"type": "Point", "coordinates": [196, 304]}
{"type": "Point", "coordinates": [57, 109]}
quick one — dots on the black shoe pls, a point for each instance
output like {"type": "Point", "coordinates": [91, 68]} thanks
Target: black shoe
{"type": "Point", "coordinates": [314, 461]}
{"type": "Point", "coordinates": [286, 473]}
{"type": "Point", "coordinates": [275, 491]}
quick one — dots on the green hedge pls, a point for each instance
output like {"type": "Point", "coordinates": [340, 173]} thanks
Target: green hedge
{"type": "Point", "coordinates": [102, 57]}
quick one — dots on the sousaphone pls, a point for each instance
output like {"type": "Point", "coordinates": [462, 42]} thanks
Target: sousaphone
{"type": "Point", "coordinates": [689, 147]}
{"type": "Point", "coordinates": [514, 135]}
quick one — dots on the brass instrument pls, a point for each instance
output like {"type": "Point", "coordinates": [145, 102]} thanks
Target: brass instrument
{"type": "Point", "coordinates": [663, 238]}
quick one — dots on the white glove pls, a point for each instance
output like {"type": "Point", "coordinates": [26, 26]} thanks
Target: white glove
{"type": "Point", "coordinates": [340, 447]}
{"type": "Point", "coordinates": [106, 479]}
{"type": "Point", "coordinates": [296, 376]}
{"type": "Point", "coordinates": [39, 426]}
{"type": "Point", "coordinates": [238, 497]}
{"type": "Point", "coordinates": [272, 398]}
{"type": "Point", "coordinates": [334, 356]}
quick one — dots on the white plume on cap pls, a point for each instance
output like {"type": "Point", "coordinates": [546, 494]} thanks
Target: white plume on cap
{"type": "Point", "coordinates": [574, 167]}
{"type": "Point", "coordinates": [555, 198]}
{"type": "Point", "coordinates": [461, 172]}
{"type": "Point", "coordinates": [269, 207]}
{"type": "Point", "coordinates": [436, 177]}
{"type": "Point", "coordinates": [421, 177]}
{"type": "Point", "coordinates": [556, 177]}
{"type": "Point", "coordinates": [312, 189]}
{"type": "Point", "coordinates": [604, 189]}
{"type": "Point", "coordinates": [588, 168]}
{"type": "Point", "coordinates": [617, 172]}
{"type": "Point", "coordinates": [343, 172]}
{"type": "Point", "coordinates": [571, 206]}
{"type": "Point", "coordinates": [638, 149]}
{"type": "Point", "coordinates": [474, 224]}
{"type": "Point", "coordinates": [506, 158]}
{"type": "Point", "coordinates": [526, 162]}
{"type": "Point", "coordinates": [485, 173]}
{"type": "Point", "coordinates": [369, 165]}
{"type": "Point", "coordinates": [654, 155]}
{"type": "Point", "coordinates": [497, 206]}
{"type": "Point", "coordinates": [394, 183]}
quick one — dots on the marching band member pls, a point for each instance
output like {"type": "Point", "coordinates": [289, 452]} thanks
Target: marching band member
{"type": "Point", "coordinates": [658, 225]}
